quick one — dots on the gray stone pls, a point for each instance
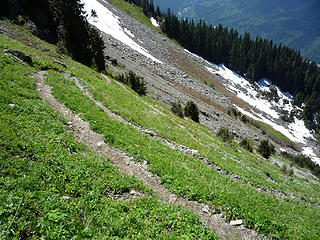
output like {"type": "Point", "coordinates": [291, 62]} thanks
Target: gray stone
{"type": "Point", "coordinates": [60, 63]}
{"type": "Point", "coordinates": [99, 144]}
{"type": "Point", "coordinates": [206, 209]}
{"type": "Point", "coordinates": [236, 222]}
{"type": "Point", "coordinates": [132, 192]}
{"type": "Point", "coordinates": [20, 55]}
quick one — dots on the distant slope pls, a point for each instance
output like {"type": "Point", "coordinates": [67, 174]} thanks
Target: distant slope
{"type": "Point", "coordinates": [294, 23]}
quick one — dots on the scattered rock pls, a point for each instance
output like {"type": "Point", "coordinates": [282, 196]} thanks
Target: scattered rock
{"type": "Point", "coordinates": [99, 144]}
{"type": "Point", "coordinates": [285, 118]}
{"type": "Point", "coordinates": [205, 113]}
{"type": "Point", "coordinates": [20, 55]}
{"type": "Point", "coordinates": [60, 63]}
{"type": "Point", "coordinates": [132, 192]}
{"type": "Point", "coordinates": [114, 61]}
{"type": "Point", "coordinates": [236, 222]}
{"type": "Point", "coordinates": [206, 209]}
{"type": "Point", "coordinates": [193, 152]}
{"type": "Point", "coordinates": [285, 101]}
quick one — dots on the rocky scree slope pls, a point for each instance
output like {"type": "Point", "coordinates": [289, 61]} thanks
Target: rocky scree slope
{"type": "Point", "coordinates": [178, 75]}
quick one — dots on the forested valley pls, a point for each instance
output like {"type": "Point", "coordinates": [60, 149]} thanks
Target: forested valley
{"type": "Point", "coordinates": [252, 58]}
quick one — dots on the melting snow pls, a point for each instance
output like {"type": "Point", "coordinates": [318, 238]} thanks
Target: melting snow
{"type": "Point", "coordinates": [252, 94]}
{"type": "Point", "coordinates": [154, 22]}
{"type": "Point", "coordinates": [109, 23]}
{"type": "Point", "coordinates": [309, 152]}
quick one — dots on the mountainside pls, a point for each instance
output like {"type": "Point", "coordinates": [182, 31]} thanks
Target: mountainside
{"type": "Point", "coordinates": [293, 23]}
{"type": "Point", "coordinates": [116, 155]}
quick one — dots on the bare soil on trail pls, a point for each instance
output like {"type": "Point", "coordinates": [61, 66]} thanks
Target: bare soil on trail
{"type": "Point", "coordinates": [176, 146]}
{"type": "Point", "coordinates": [123, 162]}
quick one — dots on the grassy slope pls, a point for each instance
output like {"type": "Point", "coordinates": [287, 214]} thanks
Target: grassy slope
{"type": "Point", "coordinates": [280, 218]}
{"type": "Point", "coordinates": [129, 110]}
{"type": "Point", "coordinates": [52, 187]}
{"type": "Point", "coordinates": [180, 173]}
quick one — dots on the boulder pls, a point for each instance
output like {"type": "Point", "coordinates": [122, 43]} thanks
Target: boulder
{"type": "Point", "coordinates": [20, 55]}
{"type": "Point", "coordinates": [273, 90]}
{"type": "Point", "coordinates": [285, 118]}
{"type": "Point", "coordinates": [285, 101]}
{"type": "Point", "coordinates": [113, 61]}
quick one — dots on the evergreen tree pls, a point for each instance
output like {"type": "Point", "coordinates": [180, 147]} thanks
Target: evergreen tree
{"type": "Point", "coordinates": [191, 110]}
{"type": "Point", "coordinates": [62, 22]}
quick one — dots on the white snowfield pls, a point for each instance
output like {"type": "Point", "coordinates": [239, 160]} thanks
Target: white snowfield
{"type": "Point", "coordinates": [154, 22]}
{"type": "Point", "coordinates": [109, 23]}
{"type": "Point", "coordinates": [269, 110]}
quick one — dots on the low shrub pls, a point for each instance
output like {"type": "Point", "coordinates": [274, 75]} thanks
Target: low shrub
{"type": "Point", "coordinates": [288, 171]}
{"type": "Point", "coordinates": [133, 81]}
{"type": "Point", "coordinates": [266, 149]}
{"type": "Point", "coordinates": [177, 109]}
{"type": "Point", "coordinates": [225, 134]}
{"type": "Point", "coordinates": [244, 118]}
{"type": "Point", "coordinates": [233, 112]}
{"type": "Point", "coordinates": [246, 144]}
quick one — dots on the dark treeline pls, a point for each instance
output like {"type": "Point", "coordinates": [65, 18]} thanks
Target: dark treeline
{"type": "Point", "coordinates": [304, 162]}
{"type": "Point", "coordinates": [63, 23]}
{"type": "Point", "coordinates": [252, 58]}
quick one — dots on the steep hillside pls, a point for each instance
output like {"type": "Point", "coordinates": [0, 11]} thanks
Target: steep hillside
{"type": "Point", "coordinates": [84, 156]}
{"type": "Point", "coordinates": [294, 23]}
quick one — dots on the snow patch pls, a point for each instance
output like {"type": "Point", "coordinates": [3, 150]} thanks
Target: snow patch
{"type": "Point", "coordinates": [244, 90]}
{"type": "Point", "coordinates": [110, 24]}
{"type": "Point", "coordinates": [154, 22]}
{"type": "Point", "coordinates": [309, 152]}
{"type": "Point", "coordinates": [253, 94]}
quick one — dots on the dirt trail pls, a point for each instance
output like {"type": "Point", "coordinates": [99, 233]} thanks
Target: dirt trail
{"type": "Point", "coordinates": [120, 160]}
{"type": "Point", "coordinates": [173, 145]}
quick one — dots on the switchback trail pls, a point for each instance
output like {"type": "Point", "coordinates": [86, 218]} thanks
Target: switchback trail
{"type": "Point", "coordinates": [176, 146]}
{"type": "Point", "coordinates": [123, 162]}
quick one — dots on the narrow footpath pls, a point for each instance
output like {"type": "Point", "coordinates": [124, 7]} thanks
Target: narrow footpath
{"type": "Point", "coordinates": [123, 162]}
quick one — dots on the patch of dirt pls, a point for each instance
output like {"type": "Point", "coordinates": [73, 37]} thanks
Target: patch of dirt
{"type": "Point", "coordinates": [123, 162]}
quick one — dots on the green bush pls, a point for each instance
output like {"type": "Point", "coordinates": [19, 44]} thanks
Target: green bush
{"type": "Point", "coordinates": [246, 144]}
{"type": "Point", "coordinates": [191, 110]}
{"type": "Point", "coordinates": [177, 109]}
{"type": "Point", "coordinates": [225, 134]}
{"type": "Point", "coordinates": [266, 149]}
{"type": "Point", "coordinates": [288, 171]}
{"type": "Point", "coordinates": [233, 112]}
{"type": "Point", "coordinates": [133, 81]}
{"type": "Point", "coordinates": [244, 118]}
